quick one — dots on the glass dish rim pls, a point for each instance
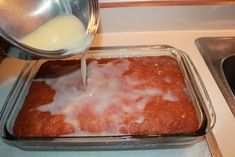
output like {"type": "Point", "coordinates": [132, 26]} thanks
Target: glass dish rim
{"type": "Point", "coordinates": [202, 130]}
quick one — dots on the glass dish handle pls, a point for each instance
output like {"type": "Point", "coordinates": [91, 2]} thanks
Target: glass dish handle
{"type": "Point", "coordinates": [12, 96]}
{"type": "Point", "coordinates": [204, 96]}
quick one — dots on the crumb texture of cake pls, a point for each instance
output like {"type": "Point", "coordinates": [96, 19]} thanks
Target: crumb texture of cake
{"type": "Point", "coordinates": [136, 96]}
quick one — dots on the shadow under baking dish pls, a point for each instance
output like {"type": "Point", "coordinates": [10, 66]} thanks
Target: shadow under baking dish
{"type": "Point", "coordinates": [194, 85]}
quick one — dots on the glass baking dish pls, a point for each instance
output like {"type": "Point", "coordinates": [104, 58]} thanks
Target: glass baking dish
{"type": "Point", "coordinates": [194, 84]}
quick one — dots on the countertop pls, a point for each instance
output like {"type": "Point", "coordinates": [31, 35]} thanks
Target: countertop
{"type": "Point", "coordinates": [134, 3]}
{"type": "Point", "coordinates": [223, 130]}
{"type": "Point", "coordinates": [179, 31]}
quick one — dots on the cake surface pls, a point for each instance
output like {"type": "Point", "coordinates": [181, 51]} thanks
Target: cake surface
{"type": "Point", "coordinates": [136, 96]}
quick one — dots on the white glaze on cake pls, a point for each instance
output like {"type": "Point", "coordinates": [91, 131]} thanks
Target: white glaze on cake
{"type": "Point", "coordinates": [107, 87]}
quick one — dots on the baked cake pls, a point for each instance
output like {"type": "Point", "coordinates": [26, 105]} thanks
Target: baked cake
{"type": "Point", "coordinates": [135, 96]}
